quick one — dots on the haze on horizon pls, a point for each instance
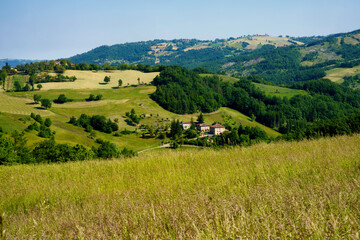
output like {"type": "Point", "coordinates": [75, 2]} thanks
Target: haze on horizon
{"type": "Point", "coordinates": [42, 29]}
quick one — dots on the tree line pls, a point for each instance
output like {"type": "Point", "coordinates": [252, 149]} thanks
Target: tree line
{"type": "Point", "coordinates": [13, 150]}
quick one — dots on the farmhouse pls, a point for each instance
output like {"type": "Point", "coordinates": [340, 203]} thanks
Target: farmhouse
{"type": "Point", "coordinates": [217, 129]}
{"type": "Point", "coordinates": [203, 127]}
{"type": "Point", "coordinates": [186, 125]}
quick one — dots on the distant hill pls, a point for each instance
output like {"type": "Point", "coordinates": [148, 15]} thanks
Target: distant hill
{"type": "Point", "coordinates": [180, 51]}
{"type": "Point", "coordinates": [14, 62]}
{"type": "Point", "coordinates": [281, 60]}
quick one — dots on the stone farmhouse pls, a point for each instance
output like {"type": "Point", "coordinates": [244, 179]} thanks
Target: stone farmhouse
{"type": "Point", "coordinates": [203, 127]}
{"type": "Point", "coordinates": [186, 125]}
{"type": "Point", "coordinates": [217, 129]}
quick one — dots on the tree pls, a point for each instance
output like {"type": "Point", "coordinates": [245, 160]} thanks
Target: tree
{"type": "Point", "coordinates": [46, 103]}
{"type": "Point", "coordinates": [62, 99]}
{"type": "Point", "coordinates": [120, 82]}
{"type": "Point", "coordinates": [138, 80]}
{"type": "Point", "coordinates": [98, 97]}
{"type": "Point", "coordinates": [107, 79]}
{"type": "Point", "coordinates": [48, 122]}
{"type": "Point", "coordinates": [59, 69]}
{"type": "Point", "coordinates": [32, 81]}
{"type": "Point", "coordinates": [176, 129]}
{"type": "Point", "coordinates": [17, 86]}
{"type": "Point", "coordinates": [39, 86]}
{"type": "Point", "coordinates": [200, 118]}
{"type": "Point", "coordinates": [37, 98]}
{"type": "Point", "coordinates": [26, 88]}
{"type": "Point", "coordinates": [3, 76]}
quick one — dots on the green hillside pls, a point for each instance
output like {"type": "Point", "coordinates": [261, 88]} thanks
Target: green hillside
{"type": "Point", "coordinates": [306, 189]}
{"type": "Point", "coordinates": [115, 103]}
{"type": "Point", "coordinates": [180, 51]}
{"type": "Point", "coordinates": [270, 90]}
{"type": "Point", "coordinates": [281, 60]}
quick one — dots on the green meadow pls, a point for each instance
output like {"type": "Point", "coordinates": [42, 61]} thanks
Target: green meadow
{"type": "Point", "coordinates": [280, 91]}
{"type": "Point", "coordinates": [284, 190]}
{"type": "Point", "coordinates": [115, 103]}
{"type": "Point", "coordinates": [271, 90]}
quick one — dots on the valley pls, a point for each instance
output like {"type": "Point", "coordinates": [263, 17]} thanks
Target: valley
{"type": "Point", "coordinates": [247, 137]}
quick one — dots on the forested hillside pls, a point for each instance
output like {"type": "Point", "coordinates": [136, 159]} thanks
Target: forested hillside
{"type": "Point", "coordinates": [183, 91]}
{"type": "Point", "coordinates": [276, 59]}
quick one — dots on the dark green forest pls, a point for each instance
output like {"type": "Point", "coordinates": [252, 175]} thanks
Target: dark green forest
{"type": "Point", "coordinates": [183, 91]}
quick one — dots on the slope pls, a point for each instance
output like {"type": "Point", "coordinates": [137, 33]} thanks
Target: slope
{"type": "Point", "coordinates": [279, 190]}
{"type": "Point", "coordinates": [114, 105]}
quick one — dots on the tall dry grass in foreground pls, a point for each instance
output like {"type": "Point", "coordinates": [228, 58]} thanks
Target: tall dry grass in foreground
{"type": "Point", "coordinates": [309, 189]}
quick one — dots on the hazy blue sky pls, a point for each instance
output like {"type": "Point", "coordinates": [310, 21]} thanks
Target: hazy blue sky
{"type": "Point", "coordinates": [46, 29]}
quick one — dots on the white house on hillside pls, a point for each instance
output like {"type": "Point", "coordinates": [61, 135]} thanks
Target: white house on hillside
{"type": "Point", "coordinates": [186, 125]}
{"type": "Point", "coordinates": [203, 127]}
{"type": "Point", "coordinates": [217, 129]}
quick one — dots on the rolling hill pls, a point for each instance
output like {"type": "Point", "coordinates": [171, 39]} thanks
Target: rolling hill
{"type": "Point", "coordinates": [16, 107]}
{"type": "Point", "coordinates": [281, 60]}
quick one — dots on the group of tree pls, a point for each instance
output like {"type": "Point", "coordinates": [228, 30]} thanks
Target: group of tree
{"type": "Point", "coordinates": [61, 65]}
{"type": "Point", "coordinates": [49, 78]}
{"type": "Point", "coordinates": [352, 81]}
{"type": "Point", "coordinates": [134, 118]}
{"type": "Point", "coordinates": [183, 91]}
{"type": "Point", "coordinates": [62, 99]}
{"type": "Point", "coordinates": [41, 126]}
{"type": "Point", "coordinates": [96, 122]}
{"type": "Point", "coordinates": [92, 97]}
{"type": "Point", "coordinates": [14, 150]}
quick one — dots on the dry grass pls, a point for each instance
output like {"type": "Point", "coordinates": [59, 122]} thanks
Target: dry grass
{"type": "Point", "coordinates": [20, 106]}
{"type": "Point", "coordinates": [309, 189]}
{"type": "Point", "coordinates": [337, 74]}
{"type": "Point", "coordinates": [255, 41]}
{"type": "Point", "coordinates": [95, 80]}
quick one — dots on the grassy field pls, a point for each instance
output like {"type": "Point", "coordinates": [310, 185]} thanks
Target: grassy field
{"type": "Point", "coordinates": [337, 74]}
{"type": "Point", "coordinates": [256, 41]}
{"type": "Point", "coordinates": [280, 91]}
{"type": "Point", "coordinates": [305, 190]}
{"type": "Point", "coordinates": [95, 80]}
{"type": "Point", "coordinates": [115, 104]}
{"type": "Point", "coordinates": [21, 106]}
{"type": "Point", "coordinates": [225, 78]}
{"type": "Point", "coordinates": [268, 89]}
{"type": "Point", "coordinates": [22, 79]}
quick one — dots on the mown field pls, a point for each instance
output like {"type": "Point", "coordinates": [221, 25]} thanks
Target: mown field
{"type": "Point", "coordinates": [299, 190]}
{"type": "Point", "coordinates": [256, 41]}
{"type": "Point", "coordinates": [95, 79]}
{"type": "Point", "coordinates": [337, 74]}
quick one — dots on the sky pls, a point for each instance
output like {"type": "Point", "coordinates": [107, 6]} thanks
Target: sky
{"type": "Point", "coordinates": [45, 29]}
